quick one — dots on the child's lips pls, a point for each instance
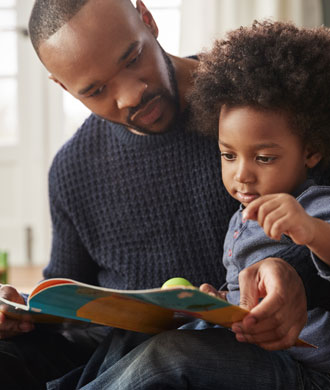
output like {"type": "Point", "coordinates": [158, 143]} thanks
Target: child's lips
{"type": "Point", "coordinates": [246, 197]}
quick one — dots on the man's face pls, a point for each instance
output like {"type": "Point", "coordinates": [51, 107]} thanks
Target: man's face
{"type": "Point", "coordinates": [260, 153]}
{"type": "Point", "coordinates": [107, 56]}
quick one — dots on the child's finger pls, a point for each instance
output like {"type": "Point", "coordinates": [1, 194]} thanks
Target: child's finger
{"type": "Point", "coordinates": [252, 210]}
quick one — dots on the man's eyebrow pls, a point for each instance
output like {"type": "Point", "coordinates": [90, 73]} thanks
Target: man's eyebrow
{"type": "Point", "coordinates": [129, 50]}
{"type": "Point", "coordinates": [126, 54]}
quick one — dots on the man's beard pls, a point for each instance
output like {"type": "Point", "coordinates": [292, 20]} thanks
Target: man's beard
{"type": "Point", "coordinates": [171, 96]}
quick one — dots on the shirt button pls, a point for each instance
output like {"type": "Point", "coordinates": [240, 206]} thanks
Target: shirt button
{"type": "Point", "coordinates": [230, 252]}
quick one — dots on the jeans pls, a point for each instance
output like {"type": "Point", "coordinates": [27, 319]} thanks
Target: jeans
{"type": "Point", "coordinates": [30, 360]}
{"type": "Point", "coordinates": [210, 358]}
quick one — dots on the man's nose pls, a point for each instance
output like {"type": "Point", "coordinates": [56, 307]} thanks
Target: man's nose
{"type": "Point", "coordinates": [130, 93]}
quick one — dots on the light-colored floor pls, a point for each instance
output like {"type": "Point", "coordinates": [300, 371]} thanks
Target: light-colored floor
{"type": "Point", "coordinates": [24, 278]}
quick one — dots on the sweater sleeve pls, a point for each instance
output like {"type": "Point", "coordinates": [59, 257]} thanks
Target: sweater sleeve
{"type": "Point", "coordinates": [69, 257]}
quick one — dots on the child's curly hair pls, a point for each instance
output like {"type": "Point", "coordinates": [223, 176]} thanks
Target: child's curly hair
{"type": "Point", "coordinates": [270, 65]}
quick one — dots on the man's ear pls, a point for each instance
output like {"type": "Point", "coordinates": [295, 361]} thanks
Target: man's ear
{"type": "Point", "coordinates": [147, 18]}
{"type": "Point", "coordinates": [312, 158]}
{"type": "Point", "coordinates": [51, 77]}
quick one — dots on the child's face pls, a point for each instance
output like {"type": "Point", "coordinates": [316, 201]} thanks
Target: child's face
{"type": "Point", "coordinates": [260, 154]}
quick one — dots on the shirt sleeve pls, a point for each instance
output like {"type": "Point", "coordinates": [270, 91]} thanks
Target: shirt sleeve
{"type": "Point", "coordinates": [316, 202]}
{"type": "Point", "coordinates": [322, 268]}
{"type": "Point", "coordinates": [317, 289]}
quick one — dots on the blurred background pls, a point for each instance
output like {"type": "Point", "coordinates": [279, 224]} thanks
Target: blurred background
{"type": "Point", "coordinates": [37, 116]}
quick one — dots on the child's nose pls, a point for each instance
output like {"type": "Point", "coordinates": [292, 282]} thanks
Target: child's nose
{"type": "Point", "coordinates": [244, 174]}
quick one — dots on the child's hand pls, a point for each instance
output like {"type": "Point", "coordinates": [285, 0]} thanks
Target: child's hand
{"type": "Point", "coordinates": [209, 289]}
{"type": "Point", "coordinates": [281, 214]}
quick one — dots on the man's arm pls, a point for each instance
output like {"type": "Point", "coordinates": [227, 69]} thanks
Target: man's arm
{"type": "Point", "coordinates": [69, 257]}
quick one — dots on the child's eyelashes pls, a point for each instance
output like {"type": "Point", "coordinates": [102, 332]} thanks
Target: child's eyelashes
{"type": "Point", "coordinates": [266, 159]}
{"type": "Point", "coordinates": [228, 156]}
{"type": "Point", "coordinates": [260, 158]}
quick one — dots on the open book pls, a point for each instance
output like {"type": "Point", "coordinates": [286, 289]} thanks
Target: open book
{"type": "Point", "coordinates": [148, 311]}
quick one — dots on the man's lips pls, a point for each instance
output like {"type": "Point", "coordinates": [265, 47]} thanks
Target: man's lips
{"type": "Point", "coordinates": [149, 113]}
{"type": "Point", "coordinates": [246, 197]}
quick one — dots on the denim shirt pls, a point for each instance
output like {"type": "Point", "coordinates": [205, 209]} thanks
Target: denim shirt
{"type": "Point", "coordinates": [246, 243]}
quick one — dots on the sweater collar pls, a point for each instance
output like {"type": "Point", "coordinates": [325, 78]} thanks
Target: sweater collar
{"type": "Point", "coordinates": [125, 136]}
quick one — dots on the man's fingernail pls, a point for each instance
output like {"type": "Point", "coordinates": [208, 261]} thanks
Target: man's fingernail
{"type": "Point", "coordinates": [240, 337]}
{"type": "Point", "coordinates": [236, 329]}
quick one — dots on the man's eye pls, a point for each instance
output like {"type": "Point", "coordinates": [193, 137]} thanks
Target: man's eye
{"type": "Point", "coordinates": [228, 156]}
{"type": "Point", "coordinates": [266, 159]}
{"type": "Point", "coordinates": [134, 59]}
{"type": "Point", "coordinates": [98, 91]}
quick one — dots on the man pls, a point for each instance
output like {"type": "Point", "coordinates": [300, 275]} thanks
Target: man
{"type": "Point", "coordinates": [135, 198]}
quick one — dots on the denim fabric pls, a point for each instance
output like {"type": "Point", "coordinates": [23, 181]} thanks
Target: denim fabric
{"type": "Point", "coordinates": [209, 358]}
{"type": "Point", "coordinates": [246, 243]}
{"type": "Point", "coordinates": [317, 204]}
{"type": "Point", "coordinates": [30, 360]}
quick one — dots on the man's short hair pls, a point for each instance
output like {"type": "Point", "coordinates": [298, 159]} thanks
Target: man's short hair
{"type": "Point", "coordinates": [48, 16]}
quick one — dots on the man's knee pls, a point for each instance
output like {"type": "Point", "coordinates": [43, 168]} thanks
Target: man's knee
{"type": "Point", "coordinates": [13, 371]}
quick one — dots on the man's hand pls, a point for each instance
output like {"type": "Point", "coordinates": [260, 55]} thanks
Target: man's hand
{"type": "Point", "coordinates": [8, 326]}
{"type": "Point", "coordinates": [281, 214]}
{"type": "Point", "coordinates": [276, 321]}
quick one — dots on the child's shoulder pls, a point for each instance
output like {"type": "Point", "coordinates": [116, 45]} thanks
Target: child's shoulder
{"type": "Point", "coordinates": [316, 201]}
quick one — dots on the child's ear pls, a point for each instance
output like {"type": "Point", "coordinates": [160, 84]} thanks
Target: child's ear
{"type": "Point", "coordinates": [312, 158]}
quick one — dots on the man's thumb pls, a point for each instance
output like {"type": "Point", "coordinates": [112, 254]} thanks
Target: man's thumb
{"type": "Point", "coordinates": [249, 293]}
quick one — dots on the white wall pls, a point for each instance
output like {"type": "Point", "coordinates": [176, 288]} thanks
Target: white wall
{"type": "Point", "coordinates": [202, 21]}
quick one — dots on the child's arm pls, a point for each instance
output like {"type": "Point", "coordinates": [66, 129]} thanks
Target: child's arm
{"type": "Point", "coordinates": [281, 214]}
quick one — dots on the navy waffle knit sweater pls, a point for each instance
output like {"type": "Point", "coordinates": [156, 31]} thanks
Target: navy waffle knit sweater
{"type": "Point", "coordinates": [132, 211]}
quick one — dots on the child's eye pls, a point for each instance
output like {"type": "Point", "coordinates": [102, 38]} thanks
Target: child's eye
{"type": "Point", "coordinates": [266, 159]}
{"type": "Point", "coordinates": [228, 156]}
{"type": "Point", "coordinates": [98, 91]}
